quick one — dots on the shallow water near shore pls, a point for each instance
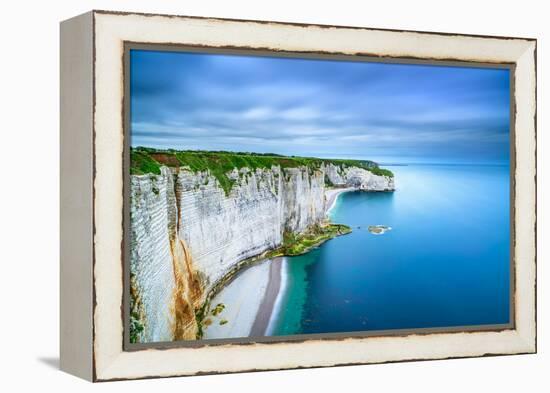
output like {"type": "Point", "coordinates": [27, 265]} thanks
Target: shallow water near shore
{"type": "Point", "coordinates": [444, 263]}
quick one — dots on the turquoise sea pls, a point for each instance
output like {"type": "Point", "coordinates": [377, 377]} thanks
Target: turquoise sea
{"type": "Point", "coordinates": [444, 263]}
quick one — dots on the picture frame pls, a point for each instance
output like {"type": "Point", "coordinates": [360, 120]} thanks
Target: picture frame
{"type": "Point", "coordinates": [94, 340]}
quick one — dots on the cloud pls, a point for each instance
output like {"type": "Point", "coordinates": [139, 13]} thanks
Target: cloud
{"type": "Point", "coordinates": [309, 107]}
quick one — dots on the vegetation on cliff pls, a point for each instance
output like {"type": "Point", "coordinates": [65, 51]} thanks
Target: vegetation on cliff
{"type": "Point", "coordinates": [136, 327]}
{"type": "Point", "coordinates": [301, 243]}
{"type": "Point", "coordinates": [145, 160]}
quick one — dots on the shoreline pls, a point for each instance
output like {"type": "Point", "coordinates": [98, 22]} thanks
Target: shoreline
{"type": "Point", "coordinates": [276, 310]}
{"type": "Point", "coordinates": [241, 299]}
{"type": "Point", "coordinates": [253, 298]}
{"type": "Point", "coordinates": [332, 196]}
{"type": "Point", "coordinates": [270, 306]}
{"type": "Point", "coordinates": [266, 312]}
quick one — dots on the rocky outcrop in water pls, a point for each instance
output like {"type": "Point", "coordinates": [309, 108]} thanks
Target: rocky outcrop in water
{"type": "Point", "coordinates": [187, 234]}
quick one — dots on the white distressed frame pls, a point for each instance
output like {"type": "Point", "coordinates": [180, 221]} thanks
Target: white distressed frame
{"type": "Point", "coordinates": [111, 30]}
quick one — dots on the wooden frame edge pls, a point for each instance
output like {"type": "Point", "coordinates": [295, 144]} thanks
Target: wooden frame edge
{"type": "Point", "coordinates": [528, 350]}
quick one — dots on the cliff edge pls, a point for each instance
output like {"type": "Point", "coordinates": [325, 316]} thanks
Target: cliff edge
{"type": "Point", "coordinates": [196, 217]}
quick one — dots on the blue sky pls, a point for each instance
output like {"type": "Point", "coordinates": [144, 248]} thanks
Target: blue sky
{"type": "Point", "coordinates": [385, 112]}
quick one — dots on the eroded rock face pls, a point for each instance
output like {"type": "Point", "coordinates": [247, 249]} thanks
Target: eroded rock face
{"type": "Point", "coordinates": [303, 198]}
{"type": "Point", "coordinates": [187, 234]}
{"type": "Point", "coordinates": [223, 230]}
{"type": "Point", "coordinates": [152, 207]}
{"type": "Point", "coordinates": [359, 178]}
{"type": "Point", "coordinates": [365, 180]}
{"type": "Point", "coordinates": [335, 175]}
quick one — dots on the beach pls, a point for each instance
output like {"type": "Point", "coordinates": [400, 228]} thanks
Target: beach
{"type": "Point", "coordinates": [273, 291]}
{"type": "Point", "coordinates": [331, 196]}
{"type": "Point", "coordinates": [241, 299]}
{"type": "Point", "coordinates": [251, 300]}
{"type": "Point", "coordinates": [248, 302]}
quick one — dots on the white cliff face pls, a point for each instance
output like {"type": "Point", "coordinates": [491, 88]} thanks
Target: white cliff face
{"type": "Point", "coordinates": [359, 178]}
{"type": "Point", "coordinates": [222, 230]}
{"type": "Point", "coordinates": [335, 175]}
{"type": "Point", "coordinates": [303, 196]}
{"type": "Point", "coordinates": [367, 181]}
{"type": "Point", "coordinates": [187, 234]}
{"type": "Point", "coordinates": [152, 211]}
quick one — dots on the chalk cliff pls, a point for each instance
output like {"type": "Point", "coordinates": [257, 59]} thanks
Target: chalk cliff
{"type": "Point", "coordinates": [188, 234]}
{"type": "Point", "coordinates": [362, 179]}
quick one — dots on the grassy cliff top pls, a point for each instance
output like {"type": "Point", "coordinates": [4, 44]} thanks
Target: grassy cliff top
{"type": "Point", "coordinates": [148, 160]}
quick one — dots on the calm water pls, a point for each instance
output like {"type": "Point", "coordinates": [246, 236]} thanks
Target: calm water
{"type": "Point", "coordinates": [444, 263]}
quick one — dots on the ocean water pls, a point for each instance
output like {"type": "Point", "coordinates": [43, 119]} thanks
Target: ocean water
{"type": "Point", "coordinates": [444, 263]}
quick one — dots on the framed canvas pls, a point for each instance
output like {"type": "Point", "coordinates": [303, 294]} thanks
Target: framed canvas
{"type": "Point", "coordinates": [246, 195]}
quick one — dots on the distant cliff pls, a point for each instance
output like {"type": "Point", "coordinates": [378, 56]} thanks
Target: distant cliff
{"type": "Point", "coordinates": [195, 216]}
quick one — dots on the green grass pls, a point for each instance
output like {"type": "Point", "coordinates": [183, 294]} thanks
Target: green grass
{"type": "Point", "coordinates": [200, 315]}
{"type": "Point", "coordinates": [381, 171]}
{"type": "Point", "coordinates": [136, 327]}
{"type": "Point", "coordinates": [297, 244]}
{"type": "Point", "coordinates": [220, 163]}
{"type": "Point", "coordinates": [142, 163]}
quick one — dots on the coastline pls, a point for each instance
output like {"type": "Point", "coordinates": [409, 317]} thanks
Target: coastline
{"type": "Point", "coordinates": [241, 300]}
{"type": "Point", "coordinates": [271, 304]}
{"type": "Point", "coordinates": [253, 298]}
{"type": "Point", "coordinates": [332, 196]}
{"type": "Point", "coordinates": [266, 311]}
{"type": "Point", "coordinates": [249, 301]}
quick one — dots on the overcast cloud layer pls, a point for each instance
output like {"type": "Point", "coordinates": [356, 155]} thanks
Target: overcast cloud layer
{"type": "Point", "coordinates": [385, 112]}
